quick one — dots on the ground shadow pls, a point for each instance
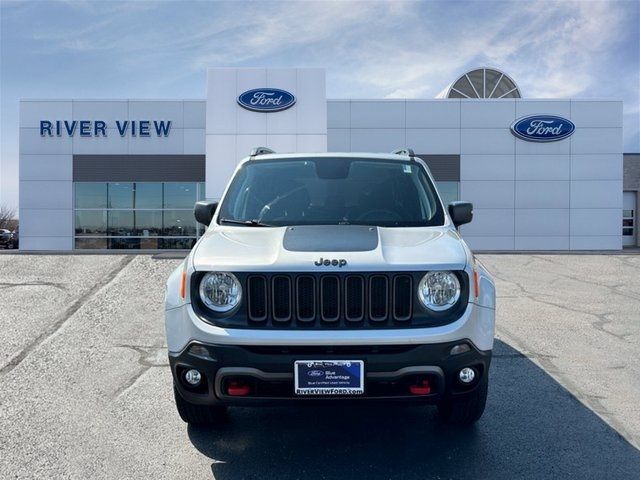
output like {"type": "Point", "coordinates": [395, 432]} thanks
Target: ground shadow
{"type": "Point", "coordinates": [532, 428]}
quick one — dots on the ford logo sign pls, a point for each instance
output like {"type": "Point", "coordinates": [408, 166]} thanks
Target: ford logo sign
{"type": "Point", "coordinates": [266, 100]}
{"type": "Point", "coordinates": [315, 373]}
{"type": "Point", "coordinates": [542, 128]}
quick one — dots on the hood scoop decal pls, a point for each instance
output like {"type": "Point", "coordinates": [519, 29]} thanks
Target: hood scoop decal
{"type": "Point", "coordinates": [330, 238]}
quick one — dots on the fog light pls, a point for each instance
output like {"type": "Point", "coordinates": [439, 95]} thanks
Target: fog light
{"type": "Point", "coordinates": [193, 377]}
{"type": "Point", "coordinates": [461, 348]}
{"type": "Point", "coordinates": [467, 375]}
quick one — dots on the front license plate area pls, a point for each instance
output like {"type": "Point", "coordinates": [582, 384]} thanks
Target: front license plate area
{"type": "Point", "coordinates": [329, 377]}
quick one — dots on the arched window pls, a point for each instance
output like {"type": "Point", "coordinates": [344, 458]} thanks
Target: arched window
{"type": "Point", "coordinates": [484, 83]}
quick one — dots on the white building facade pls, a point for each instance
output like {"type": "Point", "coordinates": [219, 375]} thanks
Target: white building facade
{"type": "Point", "coordinates": [123, 174]}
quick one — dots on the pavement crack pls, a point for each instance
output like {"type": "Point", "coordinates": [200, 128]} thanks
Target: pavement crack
{"type": "Point", "coordinates": [66, 315]}
{"type": "Point", "coordinates": [147, 359]}
{"type": "Point", "coordinates": [59, 286]}
{"type": "Point", "coordinates": [602, 319]}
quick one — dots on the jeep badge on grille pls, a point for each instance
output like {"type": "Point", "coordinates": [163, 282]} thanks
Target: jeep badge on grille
{"type": "Point", "coordinates": [330, 262]}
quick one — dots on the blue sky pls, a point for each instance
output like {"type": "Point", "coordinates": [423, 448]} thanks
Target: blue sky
{"type": "Point", "coordinates": [144, 49]}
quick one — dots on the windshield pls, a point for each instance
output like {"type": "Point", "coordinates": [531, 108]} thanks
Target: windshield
{"type": "Point", "coordinates": [331, 191]}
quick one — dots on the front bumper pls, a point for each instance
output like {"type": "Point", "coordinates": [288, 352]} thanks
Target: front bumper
{"type": "Point", "coordinates": [390, 370]}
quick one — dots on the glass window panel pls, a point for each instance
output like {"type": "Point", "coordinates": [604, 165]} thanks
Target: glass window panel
{"type": "Point", "coordinates": [448, 191]}
{"type": "Point", "coordinates": [503, 87]}
{"type": "Point", "coordinates": [91, 222]}
{"type": "Point", "coordinates": [179, 195]}
{"type": "Point", "coordinates": [627, 232]}
{"type": "Point", "coordinates": [454, 94]}
{"type": "Point", "coordinates": [124, 243]}
{"type": "Point", "coordinates": [90, 195]}
{"type": "Point", "coordinates": [148, 195]}
{"type": "Point", "coordinates": [627, 213]}
{"type": "Point", "coordinates": [627, 222]}
{"type": "Point", "coordinates": [513, 94]}
{"type": "Point", "coordinates": [150, 243]}
{"type": "Point", "coordinates": [202, 191]}
{"type": "Point", "coordinates": [464, 86]}
{"type": "Point", "coordinates": [148, 223]}
{"type": "Point", "coordinates": [179, 223]}
{"type": "Point", "coordinates": [177, 243]}
{"type": "Point", "coordinates": [91, 243]}
{"type": "Point", "coordinates": [120, 223]}
{"type": "Point", "coordinates": [491, 79]}
{"type": "Point", "coordinates": [477, 78]}
{"type": "Point", "coordinates": [121, 195]}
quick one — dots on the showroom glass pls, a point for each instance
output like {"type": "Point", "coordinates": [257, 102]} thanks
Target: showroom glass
{"type": "Point", "coordinates": [91, 195]}
{"type": "Point", "coordinates": [148, 195]}
{"type": "Point", "coordinates": [136, 215]}
{"type": "Point", "coordinates": [120, 195]}
{"type": "Point", "coordinates": [332, 191]}
{"type": "Point", "coordinates": [179, 195]}
{"type": "Point", "coordinates": [448, 191]}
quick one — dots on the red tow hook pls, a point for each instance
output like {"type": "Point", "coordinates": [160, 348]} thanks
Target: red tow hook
{"type": "Point", "coordinates": [238, 389]}
{"type": "Point", "coordinates": [421, 388]}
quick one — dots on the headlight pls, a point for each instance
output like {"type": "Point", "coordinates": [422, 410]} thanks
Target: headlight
{"type": "Point", "coordinates": [219, 291]}
{"type": "Point", "coordinates": [439, 290]}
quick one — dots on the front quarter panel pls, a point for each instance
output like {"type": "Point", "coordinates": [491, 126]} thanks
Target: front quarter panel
{"type": "Point", "coordinates": [487, 297]}
{"type": "Point", "coordinates": [172, 298]}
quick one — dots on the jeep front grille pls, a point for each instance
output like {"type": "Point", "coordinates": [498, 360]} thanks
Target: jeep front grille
{"type": "Point", "coordinates": [329, 299]}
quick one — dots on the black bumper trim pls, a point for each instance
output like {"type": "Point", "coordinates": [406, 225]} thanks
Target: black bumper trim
{"type": "Point", "coordinates": [272, 372]}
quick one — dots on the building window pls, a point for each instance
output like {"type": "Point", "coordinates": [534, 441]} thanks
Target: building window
{"type": "Point", "coordinates": [136, 215]}
{"type": "Point", "coordinates": [91, 195]}
{"type": "Point", "coordinates": [448, 192]}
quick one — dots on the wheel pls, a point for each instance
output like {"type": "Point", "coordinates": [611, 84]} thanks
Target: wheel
{"type": "Point", "coordinates": [198, 414]}
{"type": "Point", "coordinates": [467, 410]}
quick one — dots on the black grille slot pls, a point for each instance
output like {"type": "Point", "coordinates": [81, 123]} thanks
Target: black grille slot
{"type": "Point", "coordinates": [330, 298]}
{"type": "Point", "coordinates": [354, 298]}
{"type": "Point", "coordinates": [257, 295]}
{"type": "Point", "coordinates": [306, 298]}
{"type": "Point", "coordinates": [281, 298]}
{"type": "Point", "coordinates": [378, 298]}
{"type": "Point", "coordinates": [402, 295]}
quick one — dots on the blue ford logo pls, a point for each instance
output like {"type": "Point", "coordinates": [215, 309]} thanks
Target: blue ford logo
{"type": "Point", "coordinates": [266, 100]}
{"type": "Point", "coordinates": [315, 373]}
{"type": "Point", "coordinates": [542, 128]}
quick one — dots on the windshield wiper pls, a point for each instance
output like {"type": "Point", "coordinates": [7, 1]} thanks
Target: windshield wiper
{"type": "Point", "coordinates": [248, 223]}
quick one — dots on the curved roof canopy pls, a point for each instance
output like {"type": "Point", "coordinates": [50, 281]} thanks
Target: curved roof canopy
{"type": "Point", "coordinates": [484, 83]}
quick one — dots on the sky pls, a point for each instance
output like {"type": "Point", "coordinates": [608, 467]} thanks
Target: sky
{"type": "Point", "coordinates": [146, 49]}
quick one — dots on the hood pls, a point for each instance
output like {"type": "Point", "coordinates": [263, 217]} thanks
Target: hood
{"type": "Point", "coordinates": [300, 248]}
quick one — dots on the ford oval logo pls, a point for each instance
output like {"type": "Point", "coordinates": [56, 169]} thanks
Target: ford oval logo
{"type": "Point", "coordinates": [315, 373]}
{"type": "Point", "coordinates": [266, 100]}
{"type": "Point", "coordinates": [542, 128]}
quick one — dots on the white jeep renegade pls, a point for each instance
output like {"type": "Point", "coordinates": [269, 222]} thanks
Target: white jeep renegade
{"type": "Point", "coordinates": [332, 277]}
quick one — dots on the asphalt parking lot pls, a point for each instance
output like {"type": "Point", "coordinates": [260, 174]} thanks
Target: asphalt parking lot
{"type": "Point", "coordinates": [86, 390]}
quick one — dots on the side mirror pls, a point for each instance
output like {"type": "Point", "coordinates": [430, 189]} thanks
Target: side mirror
{"type": "Point", "coordinates": [461, 212]}
{"type": "Point", "coordinates": [204, 211]}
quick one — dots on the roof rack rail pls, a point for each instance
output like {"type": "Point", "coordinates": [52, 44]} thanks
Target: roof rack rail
{"type": "Point", "coordinates": [260, 151]}
{"type": "Point", "coordinates": [404, 151]}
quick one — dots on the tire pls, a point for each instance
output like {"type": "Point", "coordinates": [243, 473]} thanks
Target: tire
{"type": "Point", "coordinates": [198, 414]}
{"type": "Point", "coordinates": [465, 411]}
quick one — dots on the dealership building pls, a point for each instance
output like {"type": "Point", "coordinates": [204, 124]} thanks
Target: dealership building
{"type": "Point", "coordinates": [124, 174]}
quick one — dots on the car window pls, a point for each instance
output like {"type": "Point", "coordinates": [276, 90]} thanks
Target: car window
{"type": "Point", "coordinates": [332, 191]}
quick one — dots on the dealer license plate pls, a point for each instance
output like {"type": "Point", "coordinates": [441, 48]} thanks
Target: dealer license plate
{"type": "Point", "coordinates": [329, 377]}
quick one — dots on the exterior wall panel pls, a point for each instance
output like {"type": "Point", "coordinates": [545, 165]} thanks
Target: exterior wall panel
{"type": "Point", "coordinates": [527, 195]}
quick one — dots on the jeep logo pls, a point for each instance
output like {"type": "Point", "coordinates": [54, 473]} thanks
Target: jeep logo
{"type": "Point", "coordinates": [330, 262]}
